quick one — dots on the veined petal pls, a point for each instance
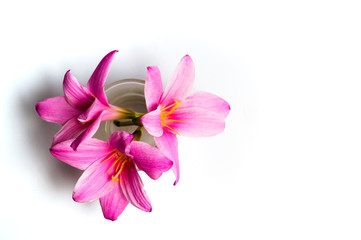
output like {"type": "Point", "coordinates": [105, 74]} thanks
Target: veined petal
{"type": "Point", "coordinates": [56, 110]}
{"type": "Point", "coordinates": [75, 94]}
{"type": "Point", "coordinates": [197, 122]}
{"type": "Point", "coordinates": [132, 187]}
{"type": "Point", "coordinates": [88, 133]}
{"type": "Point", "coordinates": [152, 123]}
{"type": "Point", "coordinates": [180, 83]}
{"type": "Point", "coordinates": [121, 141]}
{"type": "Point", "coordinates": [71, 129]}
{"type": "Point", "coordinates": [150, 159]}
{"type": "Point", "coordinates": [207, 101]}
{"type": "Point", "coordinates": [97, 80]}
{"type": "Point", "coordinates": [113, 203]}
{"type": "Point", "coordinates": [88, 152]}
{"type": "Point", "coordinates": [95, 182]}
{"type": "Point", "coordinates": [168, 144]}
{"type": "Point", "coordinates": [153, 88]}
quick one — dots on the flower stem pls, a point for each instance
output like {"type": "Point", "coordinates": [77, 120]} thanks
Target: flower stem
{"type": "Point", "coordinates": [138, 133]}
{"type": "Point", "coordinates": [120, 124]}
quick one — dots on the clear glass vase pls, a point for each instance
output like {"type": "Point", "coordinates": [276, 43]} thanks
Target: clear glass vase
{"type": "Point", "coordinates": [129, 94]}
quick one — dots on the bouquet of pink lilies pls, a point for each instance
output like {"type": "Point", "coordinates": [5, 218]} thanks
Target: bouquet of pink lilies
{"type": "Point", "coordinates": [111, 168]}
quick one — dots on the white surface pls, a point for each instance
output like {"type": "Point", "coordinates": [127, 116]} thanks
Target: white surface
{"type": "Point", "coordinates": [288, 163]}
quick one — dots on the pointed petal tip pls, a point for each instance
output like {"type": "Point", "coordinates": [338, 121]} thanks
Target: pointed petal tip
{"type": "Point", "coordinates": [187, 57]}
{"type": "Point", "coordinates": [74, 145]}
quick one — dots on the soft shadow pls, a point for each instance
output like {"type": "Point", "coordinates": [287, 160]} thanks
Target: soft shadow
{"type": "Point", "coordinates": [39, 134]}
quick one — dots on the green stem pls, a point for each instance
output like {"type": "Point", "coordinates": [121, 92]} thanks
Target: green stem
{"type": "Point", "coordinates": [138, 133]}
{"type": "Point", "coordinates": [120, 124]}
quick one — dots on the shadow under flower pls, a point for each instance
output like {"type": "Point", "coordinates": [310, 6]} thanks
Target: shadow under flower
{"type": "Point", "coordinates": [39, 134]}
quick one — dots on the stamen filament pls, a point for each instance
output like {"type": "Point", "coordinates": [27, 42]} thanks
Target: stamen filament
{"type": "Point", "coordinates": [172, 129]}
{"type": "Point", "coordinates": [113, 153]}
{"type": "Point", "coordinates": [175, 120]}
{"type": "Point", "coordinates": [115, 162]}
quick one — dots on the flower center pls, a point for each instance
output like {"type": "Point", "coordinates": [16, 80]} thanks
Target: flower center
{"type": "Point", "coordinates": [118, 163]}
{"type": "Point", "coordinates": [166, 111]}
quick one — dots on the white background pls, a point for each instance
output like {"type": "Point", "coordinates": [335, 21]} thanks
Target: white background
{"type": "Point", "coordinates": [287, 166]}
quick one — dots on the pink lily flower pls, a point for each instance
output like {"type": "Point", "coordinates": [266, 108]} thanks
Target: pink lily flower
{"type": "Point", "coordinates": [81, 110]}
{"type": "Point", "coordinates": [178, 112]}
{"type": "Point", "coordinates": [111, 171]}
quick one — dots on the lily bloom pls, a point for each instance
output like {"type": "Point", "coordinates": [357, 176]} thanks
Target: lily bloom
{"type": "Point", "coordinates": [111, 171]}
{"type": "Point", "coordinates": [81, 110]}
{"type": "Point", "coordinates": [178, 112]}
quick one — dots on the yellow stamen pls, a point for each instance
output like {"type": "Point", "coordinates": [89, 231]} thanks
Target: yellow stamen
{"type": "Point", "coordinates": [164, 115]}
{"type": "Point", "coordinates": [119, 163]}
{"type": "Point", "coordinates": [113, 153]}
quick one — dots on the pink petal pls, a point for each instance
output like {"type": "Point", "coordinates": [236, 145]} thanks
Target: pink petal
{"type": "Point", "coordinates": [153, 88]}
{"type": "Point", "coordinates": [88, 152]}
{"type": "Point", "coordinates": [196, 122]}
{"type": "Point", "coordinates": [113, 203]}
{"type": "Point", "coordinates": [56, 110]}
{"type": "Point", "coordinates": [151, 122]}
{"type": "Point", "coordinates": [97, 80]}
{"type": "Point", "coordinates": [75, 93]}
{"type": "Point", "coordinates": [121, 140]}
{"type": "Point", "coordinates": [132, 187]}
{"type": "Point", "coordinates": [207, 101]}
{"type": "Point", "coordinates": [150, 159]}
{"type": "Point", "coordinates": [88, 133]}
{"type": "Point", "coordinates": [95, 182]}
{"type": "Point", "coordinates": [71, 129]}
{"type": "Point", "coordinates": [180, 83]}
{"type": "Point", "coordinates": [92, 112]}
{"type": "Point", "coordinates": [168, 144]}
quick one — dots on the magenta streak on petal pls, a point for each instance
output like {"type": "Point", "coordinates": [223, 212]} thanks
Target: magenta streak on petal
{"type": "Point", "coordinates": [113, 203]}
{"type": "Point", "coordinates": [153, 88]}
{"type": "Point", "coordinates": [150, 159]}
{"type": "Point", "coordinates": [88, 152]}
{"type": "Point", "coordinates": [97, 80]}
{"type": "Point", "coordinates": [132, 187]}
{"type": "Point", "coordinates": [180, 83]}
{"type": "Point", "coordinates": [168, 144]}
{"type": "Point", "coordinates": [75, 94]}
{"type": "Point", "coordinates": [56, 110]}
{"type": "Point", "coordinates": [207, 101]}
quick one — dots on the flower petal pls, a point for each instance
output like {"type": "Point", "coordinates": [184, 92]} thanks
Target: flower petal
{"type": "Point", "coordinates": [207, 101]}
{"type": "Point", "coordinates": [56, 110]}
{"type": "Point", "coordinates": [121, 140]}
{"type": "Point", "coordinates": [95, 182]}
{"type": "Point", "coordinates": [153, 88]}
{"type": "Point", "coordinates": [92, 112]}
{"type": "Point", "coordinates": [113, 203]}
{"type": "Point", "coordinates": [180, 83]}
{"type": "Point", "coordinates": [88, 133]}
{"type": "Point", "coordinates": [97, 80]}
{"type": "Point", "coordinates": [75, 94]}
{"type": "Point", "coordinates": [150, 159]}
{"type": "Point", "coordinates": [168, 144]}
{"type": "Point", "coordinates": [196, 122]}
{"type": "Point", "coordinates": [151, 122]}
{"type": "Point", "coordinates": [132, 187]}
{"type": "Point", "coordinates": [71, 129]}
{"type": "Point", "coordinates": [88, 152]}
